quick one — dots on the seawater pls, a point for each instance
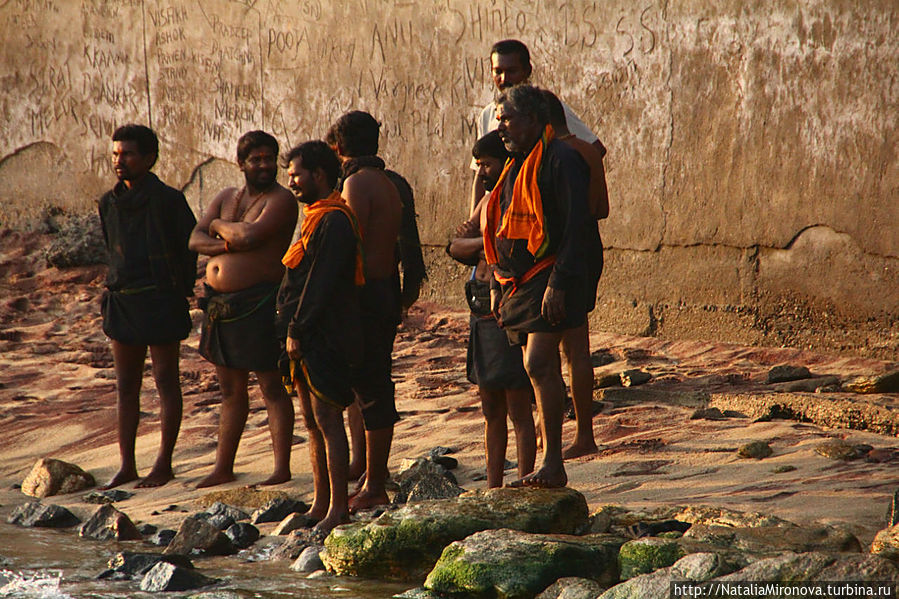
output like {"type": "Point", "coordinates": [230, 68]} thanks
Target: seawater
{"type": "Point", "coordinates": [57, 564]}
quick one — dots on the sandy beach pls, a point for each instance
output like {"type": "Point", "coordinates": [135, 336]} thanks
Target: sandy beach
{"type": "Point", "coordinates": [57, 399]}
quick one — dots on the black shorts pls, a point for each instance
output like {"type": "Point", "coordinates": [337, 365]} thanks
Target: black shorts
{"type": "Point", "coordinates": [493, 363]}
{"type": "Point", "coordinates": [595, 263]}
{"type": "Point", "coordinates": [239, 328]}
{"type": "Point", "coordinates": [372, 381]}
{"type": "Point", "coordinates": [145, 317]}
{"type": "Point", "coordinates": [520, 307]}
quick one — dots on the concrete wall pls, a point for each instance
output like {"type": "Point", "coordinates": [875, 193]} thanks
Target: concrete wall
{"type": "Point", "coordinates": [752, 160]}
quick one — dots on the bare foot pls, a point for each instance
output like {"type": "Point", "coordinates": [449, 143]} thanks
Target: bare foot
{"type": "Point", "coordinates": [543, 479]}
{"type": "Point", "coordinates": [276, 479]}
{"type": "Point", "coordinates": [316, 514]}
{"type": "Point", "coordinates": [577, 450]}
{"type": "Point", "coordinates": [365, 500]}
{"type": "Point", "coordinates": [327, 524]}
{"type": "Point", "coordinates": [360, 484]}
{"type": "Point", "coordinates": [120, 478]}
{"type": "Point", "coordinates": [216, 478]}
{"type": "Point", "coordinates": [156, 478]}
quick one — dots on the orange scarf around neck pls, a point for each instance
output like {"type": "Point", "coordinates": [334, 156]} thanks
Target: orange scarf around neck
{"type": "Point", "coordinates": [524, 216]}
{"type": "Point", "coordinates": [312, 215]}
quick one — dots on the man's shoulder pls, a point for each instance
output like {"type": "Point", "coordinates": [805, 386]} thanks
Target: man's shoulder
{"type": "Point", "coordinates": [281, 194]}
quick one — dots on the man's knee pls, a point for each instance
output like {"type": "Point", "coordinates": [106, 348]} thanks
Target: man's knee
{"type": "Point", "coordinates": [272, 387]}
{"type": "Point", "coordinates": [493, 404]}
{"type": "Point", "coordinates": [329, 418]}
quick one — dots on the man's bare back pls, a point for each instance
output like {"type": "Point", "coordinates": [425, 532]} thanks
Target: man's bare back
{"type": "Point", "coordinates": [376, 202]}
{"type": "Point", "coordinates": [258, 230]}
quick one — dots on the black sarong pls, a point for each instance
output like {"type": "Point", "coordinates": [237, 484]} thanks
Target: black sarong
{"type": "Point", "coordinates": [493, 362]}
{"type": "Point", "coordinates": [239, 328]}
{"type": "Point", "coordinates": [145, 316]}
{"type": "Point", "coordinates": [520, 306]}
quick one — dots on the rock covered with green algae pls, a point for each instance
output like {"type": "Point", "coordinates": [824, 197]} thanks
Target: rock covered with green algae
{"type": "Point", "coordinates": [510, 564]}
{"type": "Point", "coordinates": [405, 544]}
{"type": "Point", "coordinates": [642, 556]}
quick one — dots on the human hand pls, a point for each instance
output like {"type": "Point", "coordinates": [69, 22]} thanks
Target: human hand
{"type": "Point", "coordinates": [293, 349]}
{"type": "Point", "coordinates": [553, 307]}
{"type": "Point", "coordinates": [495, 296]}
{"type": "Point", "coordinates": [213, 232]}
{"type": "Point", "coordinates": [468, 229]}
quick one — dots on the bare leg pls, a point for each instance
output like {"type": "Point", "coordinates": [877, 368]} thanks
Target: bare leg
{"type": "Point", "coordinates": [330, 422]}
{"type": "Point", "coordinates": [357, 441]}
{"type": "Point", "coordinates": [576, 345]}
{"type": "Point", "coordinates": [167, 375]}
{"type": "Point", "coordinates": [541, 360]}
{"type": "Point", "coordinates": [496, 433]}
{"type": "Point", "coordinates": [374, 491]}
{"type": "Point", "coordinates": [129, 371]}
{"type": "Point", "coordinates": [518, 404]}
{"type": "Point", "coordinates": [321, 488]}
{"type": "Point", "coordinates": [235, 407]}
{"type": "Point", "coordinates": [279, 407]}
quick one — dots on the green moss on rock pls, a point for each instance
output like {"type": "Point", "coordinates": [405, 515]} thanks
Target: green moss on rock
{"type": "Point", "coordinates": [643, 556]}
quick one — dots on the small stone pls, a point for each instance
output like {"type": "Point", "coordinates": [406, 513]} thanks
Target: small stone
{"type": "Point", "coordinates": [162, 538]}
{"type": "Point", "coordinates": [220, 521]}
{"type": "Point", "coordinates": [707, 414]}
{"type": "Point", "coordinates": [55, 477]}
{"type": "Point", "coordinates": [108, 496]}
{"type": "Point", "coordinates": [219, 508]}
{"type": "Point", "coordinates": [127, 565]}
{"type": "Point", "coordinates": [632, 378]}
{"type": "Point", "coordinates": [242, 534]}
{"type": "Point", "coordinates": [147, 529]}
{"type": "Point", "coordinates": [278, 509]}
{"type": "Point", "coordinates": [439, 451]}
{"type": "Point", "coordinates": [293, 522]}
{"type": "Point", "coordinates": [838, 449]}
{"type": "Point", "coordinates": [786, 372]}
{"type": "Point", "coordinates": [197, 536]}
{"type": "Point", "coordinates": [607, 380]}
{"type": "Point", "coordinates": [34, 513]}
{"type": "Point", "coordinates": [572, 588]}
{"type": "Point", "coordinates": [756, 449]}
{"type": "Point", "coordinates": [107, 524]}
{"type": "Point", "coordinates": [309, 560]}
{"type": "Point", "coordinates": [165, 576]}
{"type": "Point", "coordinates": [883, 383]}
{"type": "Point", "coordinates": [783, 469]}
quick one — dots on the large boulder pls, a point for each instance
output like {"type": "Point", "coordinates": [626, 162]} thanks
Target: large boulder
{"type": "Point", "coordinates": [34, 513]}
{"type": "Point", "coordinates": [198, 536]}
{"type": "Point", "coordinates": [512, 564]}
{"type": "Point", "coordinates": [405, 544]}
{"type": "Point", "coordinates": [696, 567]}
{"type": "Point", "coordinates": [817, 566]}
{"type": "Point", "coordinates": [771, 539]}
{"type": "Point", "coordinates": [55, 477]}
{"type": "Point", "coordinates": [108, 524]}
{"type": "Point", "coordinates": [166, 576]}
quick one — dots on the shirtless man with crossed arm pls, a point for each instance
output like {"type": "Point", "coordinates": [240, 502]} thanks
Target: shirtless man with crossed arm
{"type": "Point", "coordinates": [246, 232]}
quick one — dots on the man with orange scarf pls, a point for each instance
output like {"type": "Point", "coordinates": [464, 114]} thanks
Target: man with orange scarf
{"type": "Point", "coordinates": [319, 323]}
{"type": "Point", "coordinates": [535, 239]}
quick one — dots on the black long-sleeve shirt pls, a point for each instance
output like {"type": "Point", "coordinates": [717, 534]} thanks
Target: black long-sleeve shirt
{"type": "Point", "coordinates": [563, 181]}
{"type": "Point", "coordinates": [319, 298]}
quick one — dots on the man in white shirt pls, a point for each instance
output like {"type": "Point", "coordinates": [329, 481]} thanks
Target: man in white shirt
{"type": "Point", "coordinates": [510, 62]}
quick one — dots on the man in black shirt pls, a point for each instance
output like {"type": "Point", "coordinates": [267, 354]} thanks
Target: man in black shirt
{"type": "Point", "coordinates": [319, 322]}
{"type": "Point", "coordinates": [535, 238]}
{"type": "Point", "coordinates": [146, 225]}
